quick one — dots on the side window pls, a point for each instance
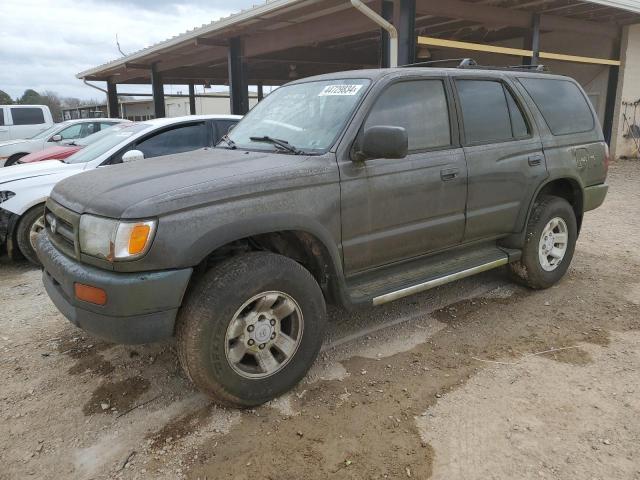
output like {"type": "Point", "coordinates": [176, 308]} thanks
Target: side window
{"type": "Point", "coordinates": [27, 116]}
{"type": "Point", "coordinates": [485, 111]}
{"type": "Point", "coordinates": [518, 123]}
{"type": "Point", "coordinates": [177, 140]}
{"type": "Point", "coordinates": [562, 104]}
{"type": "Point", "coordinates": [1, 117]}
{"type": "Point", "coordinates": [71, 132]}
{"type": "Point", "coordinates": [419, 106]}
{"type": "Point", "coordinates": [103, 126]}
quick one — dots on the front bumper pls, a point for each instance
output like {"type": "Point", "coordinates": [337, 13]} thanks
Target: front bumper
{"type": "Point", "coordinates": [140, 308]}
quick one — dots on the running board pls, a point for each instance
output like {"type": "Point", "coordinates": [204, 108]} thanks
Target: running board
{"type": "Point", "coordinates": [436, 282]}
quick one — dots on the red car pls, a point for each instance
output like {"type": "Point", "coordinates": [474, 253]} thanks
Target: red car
{"type": "Point", "coordinates": [51, 153]}
{"type": "Point", "coordinates": [60, 152]}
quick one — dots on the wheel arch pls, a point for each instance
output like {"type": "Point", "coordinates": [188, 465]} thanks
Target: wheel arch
{"type": "Point", "coordinates": [568, 188]}
{"type": "Point", "coordinates": [303, 240]}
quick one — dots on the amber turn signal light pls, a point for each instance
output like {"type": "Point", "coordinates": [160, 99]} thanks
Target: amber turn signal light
{"type": "Point", "coordinates": [90, 294]}
{"type": "Point", "coordinates": [138, 239]}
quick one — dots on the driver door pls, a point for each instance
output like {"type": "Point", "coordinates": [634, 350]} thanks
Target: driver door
{"type": "Point", "coordinates": [393, 210]}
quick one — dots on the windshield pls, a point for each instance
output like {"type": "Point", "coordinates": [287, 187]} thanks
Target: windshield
{"type": "Point", "coordinates": [309, 116]}
{"type": "Point", "coordinates": [108, 139]}
{"type": "Point", "coordinates": [49, 131]}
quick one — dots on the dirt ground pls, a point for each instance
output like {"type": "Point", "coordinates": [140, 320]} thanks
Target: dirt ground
{"type": "Point", "coordinates": [481, 379]}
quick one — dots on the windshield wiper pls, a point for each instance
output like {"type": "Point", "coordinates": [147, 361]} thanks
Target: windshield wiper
{"type": "Point", "coordinates": [282, 144]}
{"type": "Point", "coordinates": [231, 144]}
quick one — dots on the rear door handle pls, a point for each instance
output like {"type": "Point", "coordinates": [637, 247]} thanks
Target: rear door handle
{"type": "Point", "coordinates": [535, 160]}
{"type": "Point", "coordinates": [447, 174]}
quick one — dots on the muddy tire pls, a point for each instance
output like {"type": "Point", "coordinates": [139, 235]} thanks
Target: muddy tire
{"type": "Point", "coordinates": [30, 225]}
{"type": "Point", "coordinates": [549, 244]}
{"type": "Point", "coordinates": [250, 328]}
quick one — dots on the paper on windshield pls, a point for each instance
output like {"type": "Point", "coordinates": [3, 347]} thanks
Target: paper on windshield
{"type": "Point", "coordinates": [340, 90]}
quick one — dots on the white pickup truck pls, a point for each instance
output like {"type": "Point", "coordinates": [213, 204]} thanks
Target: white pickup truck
{"type": "Point", "coordinates": [23, 121]}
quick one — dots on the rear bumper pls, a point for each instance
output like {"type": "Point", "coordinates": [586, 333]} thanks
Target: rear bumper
{"type": "Point", "coordinates": [594, 196]}
{"type": "Point", "coordinates": [140, 308]}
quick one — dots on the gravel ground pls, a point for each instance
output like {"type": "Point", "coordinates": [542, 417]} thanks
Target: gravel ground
{"type": "Point", "coordinates": [480, 379]}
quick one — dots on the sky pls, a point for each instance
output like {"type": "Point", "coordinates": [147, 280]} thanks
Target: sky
{"type": "Point", "coordinates": [45, 43]}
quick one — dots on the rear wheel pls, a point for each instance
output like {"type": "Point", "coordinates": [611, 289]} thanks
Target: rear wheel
{"type": "Point", "coordinates": [250, 328]}
{"type": "Point", "coordinates": [549, 244]}
{"type": "Point", "coordinates": [29, 227]}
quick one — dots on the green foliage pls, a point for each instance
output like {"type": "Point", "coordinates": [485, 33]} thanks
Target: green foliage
{"type": "Point", "coordinates": [5, 99]}
{"type": "Point", "coordinates": [30, 97]}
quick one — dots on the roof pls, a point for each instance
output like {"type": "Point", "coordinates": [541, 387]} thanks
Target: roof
{"type": "Point", "coordinates": [159, 122]}
{"type": "Point", "coordinates": [289, 39]}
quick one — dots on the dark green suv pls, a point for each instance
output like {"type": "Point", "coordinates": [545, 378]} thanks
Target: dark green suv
{"type": "Point", "coordinates": [356, 188]}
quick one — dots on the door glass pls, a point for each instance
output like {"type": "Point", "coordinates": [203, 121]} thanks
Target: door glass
{"type": "Point", "coordinates": [27, 116]}
{"type": "Point", "coordinates": [420, 107]}
{"type": "Point", "coordinates": [1, 117]}
{"type": "Point", "coordinates": [71, 132]}
{"type": "Point", "coordinates": [518, 123]}
{"type": "Point", "coordinates": [177, 140]}
{"type": "Point", "coordinates": [484, 111]}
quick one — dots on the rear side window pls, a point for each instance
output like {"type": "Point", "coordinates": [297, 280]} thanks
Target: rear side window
{"type": "Point", "coordinates": [489, 112]}
{"type": "Point", "coordinates": [418, 106]}
{"type": "Point", "coordinates": [1, 117]}
{"type": "Point", "coordinates": [176, 140]}
{"type": "Point", "coordinates": [562, 104]}
{"type": "Point", "coordinates": [27, 116]}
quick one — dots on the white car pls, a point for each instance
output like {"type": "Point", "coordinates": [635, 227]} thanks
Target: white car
{"type": "Point", "coordinates": [23, 121]}
{"type": "Point", "coordinates": [24, 188]}
{"type": "Point", "coordinates": [13, 150]}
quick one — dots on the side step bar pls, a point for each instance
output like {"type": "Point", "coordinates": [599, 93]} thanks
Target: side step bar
{"type": "Point", "coordinates": [436, 282]}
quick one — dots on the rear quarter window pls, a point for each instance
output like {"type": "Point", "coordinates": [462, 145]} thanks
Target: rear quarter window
{"type": "Point", "coordinates": [27, 116]}
{"type": "Point", "coordinates": [562, 104]}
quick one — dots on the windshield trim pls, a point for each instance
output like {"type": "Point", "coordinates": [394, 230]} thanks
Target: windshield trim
{"type": "Point", "coordinates": [347, 122]}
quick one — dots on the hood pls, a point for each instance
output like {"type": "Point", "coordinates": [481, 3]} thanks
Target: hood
{"type": "Point", "coordinates": [157, 186]}
{"type": "Point", "coordinates": [51, 153]}
{"type": "Point", "coordinates": [30, 170]}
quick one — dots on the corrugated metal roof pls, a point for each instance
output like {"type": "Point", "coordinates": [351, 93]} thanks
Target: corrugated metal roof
{"type": "Point", "coordinates": [252, 14]}
{"type": "Point", "coordinates": [630, 5]}
{"type": "Point", "coordinates": [268, 7]}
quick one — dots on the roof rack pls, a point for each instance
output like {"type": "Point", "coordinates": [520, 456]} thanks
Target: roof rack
{"type": "Point", "coordinates": [470, 63]}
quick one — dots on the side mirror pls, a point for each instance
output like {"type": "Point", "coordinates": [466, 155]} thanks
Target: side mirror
{"type": "Point", "coordinates": [132, 156]}
{"type": "Point", "coordinates": [56, 138]}
{"type": "Point", "coordinates": [383, 142]}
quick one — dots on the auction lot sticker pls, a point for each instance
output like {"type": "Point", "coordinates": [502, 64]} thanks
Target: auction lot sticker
{"type": "Point", "coordinates": [340, 90]}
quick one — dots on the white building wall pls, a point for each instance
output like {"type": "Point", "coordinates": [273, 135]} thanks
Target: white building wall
{"type": "Point", "coordinates": [179, 106]}
{"type": "Point", "coordinates": [628, 91]}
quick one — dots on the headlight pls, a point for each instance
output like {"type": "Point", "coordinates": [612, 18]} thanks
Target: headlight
{"type": "Point", "coordinates": [4, 196]}
{"type": "Point", "coordinates": [115, 240]}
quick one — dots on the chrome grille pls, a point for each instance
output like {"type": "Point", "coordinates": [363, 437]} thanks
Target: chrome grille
{"type": "Point", "coordinates": [62, 226]}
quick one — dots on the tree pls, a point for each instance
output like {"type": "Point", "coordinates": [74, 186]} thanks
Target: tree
{"type": "Point", "coordinates": [5, 99]}
{"type": "Point", "coordinates": [30, 97]}
{"type": "Point", "coordinates": [53, 101]}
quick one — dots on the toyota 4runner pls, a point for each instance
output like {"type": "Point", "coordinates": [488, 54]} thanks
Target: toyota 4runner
{"type": "Point", "coordinates": [356, 188]}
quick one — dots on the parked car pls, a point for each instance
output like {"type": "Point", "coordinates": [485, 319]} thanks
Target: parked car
{"type": "Point", "coordinates": [25, 188]}
{"type": "Point", "coordinates": [59, 134]}
{"type": "Point", "coordinates": [23, 121]}
{"type": "Point", "coordinates": [356, 188]}
{"type": "Point", "coordinates": [65, 150]}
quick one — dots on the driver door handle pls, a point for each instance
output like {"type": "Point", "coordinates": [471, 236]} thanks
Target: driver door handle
{"type": "Point", "coordinates": [448, 174]}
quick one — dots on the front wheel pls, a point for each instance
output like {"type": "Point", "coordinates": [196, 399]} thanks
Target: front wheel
{"type": "Point", "coordinates": [549, 245]}
{"type": "Point", "coordinates": [29, 227]}
{"type": "Point", "coordinates": [250, 328]}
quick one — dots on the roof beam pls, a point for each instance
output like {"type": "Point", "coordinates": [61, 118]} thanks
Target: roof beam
{"type": "Point", "coordinates": [509, 17]}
